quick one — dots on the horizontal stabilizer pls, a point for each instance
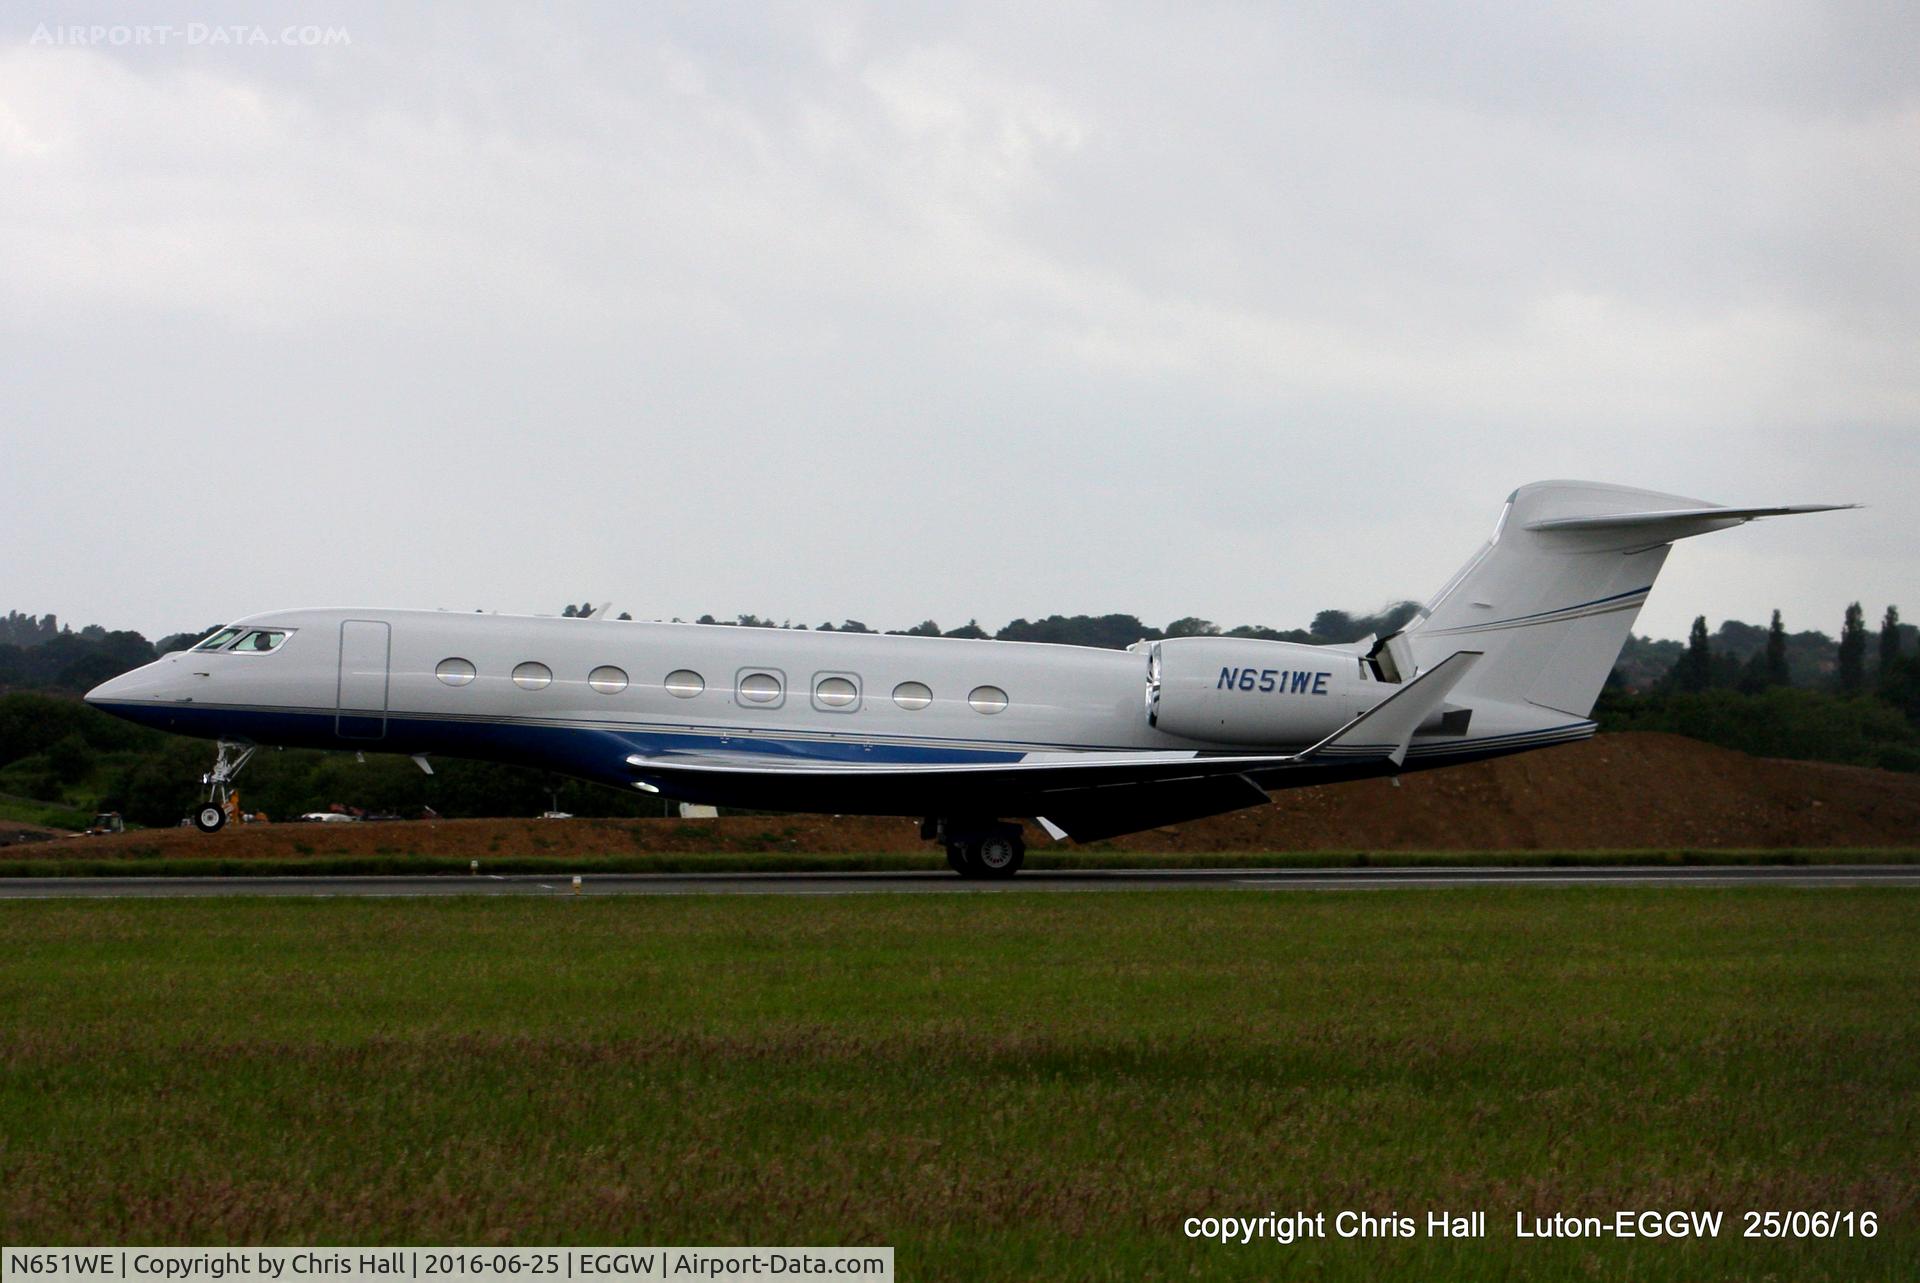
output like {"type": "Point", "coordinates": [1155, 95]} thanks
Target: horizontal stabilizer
{"type": "Point", "coordinates": [1707, 518]}
{"type": "Point", "coordinates": [1390, 724]}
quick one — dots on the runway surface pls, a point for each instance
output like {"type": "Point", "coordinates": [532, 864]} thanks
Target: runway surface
{"type": "Point", "coordinates": [1828, 875]}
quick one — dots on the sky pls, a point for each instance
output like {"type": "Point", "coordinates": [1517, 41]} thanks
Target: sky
{"type": "Point", "coordinates": [897, 311]}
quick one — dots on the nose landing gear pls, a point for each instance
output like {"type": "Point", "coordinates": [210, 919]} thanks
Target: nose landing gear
{"type": "Point", "coordinates": [979, 848]}
{"type": "Point", "coordinates": [228, 759]}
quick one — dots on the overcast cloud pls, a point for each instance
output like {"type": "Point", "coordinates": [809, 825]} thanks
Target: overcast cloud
{"type": "Point", "coordinates": [890, 312]}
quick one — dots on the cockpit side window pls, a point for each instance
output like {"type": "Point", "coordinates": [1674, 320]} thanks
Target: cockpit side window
{"type": "Point", "coordinates": [219, 639]}
{"type": "Point", "coordinates": [259, 641]}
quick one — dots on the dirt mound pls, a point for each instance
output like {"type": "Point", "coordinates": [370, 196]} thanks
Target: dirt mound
{"type": "Point", "coordinates": [1614, 792]}
{"type": "Point", "coordinates": [14, 833]}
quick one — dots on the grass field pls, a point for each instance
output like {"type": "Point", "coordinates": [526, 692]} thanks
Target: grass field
{"type": "Point", "coordinates": [1040, 1086]}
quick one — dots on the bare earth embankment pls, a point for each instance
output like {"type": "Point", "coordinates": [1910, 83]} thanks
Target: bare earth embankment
{"type": "Point", "coordinates": [1618, 792]}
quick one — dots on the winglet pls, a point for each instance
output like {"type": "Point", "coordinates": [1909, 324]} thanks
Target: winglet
{"type": "Point", "coordinates": [1394, 719]}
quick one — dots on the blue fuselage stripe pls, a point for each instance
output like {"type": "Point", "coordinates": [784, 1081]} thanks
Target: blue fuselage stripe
{"type": "Point", "coordinates": [590, 752]}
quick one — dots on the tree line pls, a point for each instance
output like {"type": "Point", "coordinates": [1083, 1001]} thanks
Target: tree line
{"type": "Point", "coordinates": [1739, 660]}
{"type": "Point", "coordinates": [1767, 692]}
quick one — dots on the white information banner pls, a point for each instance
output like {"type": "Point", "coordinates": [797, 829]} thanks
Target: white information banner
{"type": "Point", "coordinates": [438, 1264]}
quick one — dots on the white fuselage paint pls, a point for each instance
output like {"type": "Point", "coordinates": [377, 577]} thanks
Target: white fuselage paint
{"type": "Point", "coordinates": [323, 687]}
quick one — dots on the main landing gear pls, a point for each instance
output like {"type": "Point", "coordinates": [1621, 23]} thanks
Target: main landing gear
{"type": "Point", "coordinates": [228, 759]}
{"type": "Point", "coordinates": [979, 848]}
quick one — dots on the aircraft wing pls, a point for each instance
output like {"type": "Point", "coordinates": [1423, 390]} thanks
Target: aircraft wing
{"type": "Point", "coordinates": [1085, 794]}
{"type": "Point", "coordinates": [1088, 797]}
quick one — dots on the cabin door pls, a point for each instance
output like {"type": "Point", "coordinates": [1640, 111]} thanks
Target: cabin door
{"type": "Point", "coordinates": [362, 712]}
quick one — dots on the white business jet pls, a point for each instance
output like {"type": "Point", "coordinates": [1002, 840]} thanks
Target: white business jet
{"type": "Point", "coordinates": [967, 735]}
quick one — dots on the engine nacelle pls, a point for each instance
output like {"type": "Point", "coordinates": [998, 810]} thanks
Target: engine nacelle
{"type": "Point", "coordinates": [1233, 691]}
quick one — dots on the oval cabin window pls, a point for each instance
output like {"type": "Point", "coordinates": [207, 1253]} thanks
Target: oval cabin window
{"type": "Point", "coordinates": [454, 672]}
{"type": "Point", "coordinates": [912, 695]}
{"type": "Point", "coordinates": [607, 679]}
{"type": "Point", "coordinates": [760, 688]}
{"type": "Point", "coordinates": [988, 699]}
{"type": "Point", "coordinates": [836, 692]}
{"type": "Point", "coordinates": [684, 683]}
{"type": "Point", "coordinates": [532, 676]}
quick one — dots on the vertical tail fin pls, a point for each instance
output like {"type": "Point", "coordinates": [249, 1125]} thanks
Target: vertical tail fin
{"type": "Point", "coordinates": [1551, 597]}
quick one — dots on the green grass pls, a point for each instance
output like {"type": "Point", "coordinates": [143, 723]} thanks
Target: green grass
{"type": "Point", "coordinates": [145, 860]}
{"type": "Point", "coordinates": [52, 815]}
{"type": "Point", "coordinates": [1024, 1086]}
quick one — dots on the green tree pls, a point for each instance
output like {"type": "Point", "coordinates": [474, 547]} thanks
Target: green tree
{"type": "Point", "coordinates": [1694, 671]}
{"type": "Point", "coordinates": [1333, 625]}
{"type": "Point", "coordinates": [1114, 632]}
{"type": "Point", "coordinates": [1853, 651]}
{"type": "Point", "coordinates": [1778, 673]}
{"type": "Point", "coordinates": [70, 758]}
{"type": "Point", "coordinates": [1900, 688]}
{"type": "Point", "coordinates": [1259, 632]}
{"type": "Point", "coordinates": [1816, 726]}
{"type": "Point", "coordinates": [1889, 642]}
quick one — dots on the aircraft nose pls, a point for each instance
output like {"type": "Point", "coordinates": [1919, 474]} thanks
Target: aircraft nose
{"type": "Point", "coordinates": [149, 695]}
{"type": "Point", "coordinates": [108, 691]}
{"type": "Point", "coordinates": [147, 682]}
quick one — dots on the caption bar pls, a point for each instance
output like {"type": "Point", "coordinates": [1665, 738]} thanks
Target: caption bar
{"type": "Point", "coordinates": [439, 1264]}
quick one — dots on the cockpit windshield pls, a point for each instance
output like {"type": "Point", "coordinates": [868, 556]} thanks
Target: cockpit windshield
{"type": "Point", "coordinates": [259, 640]}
